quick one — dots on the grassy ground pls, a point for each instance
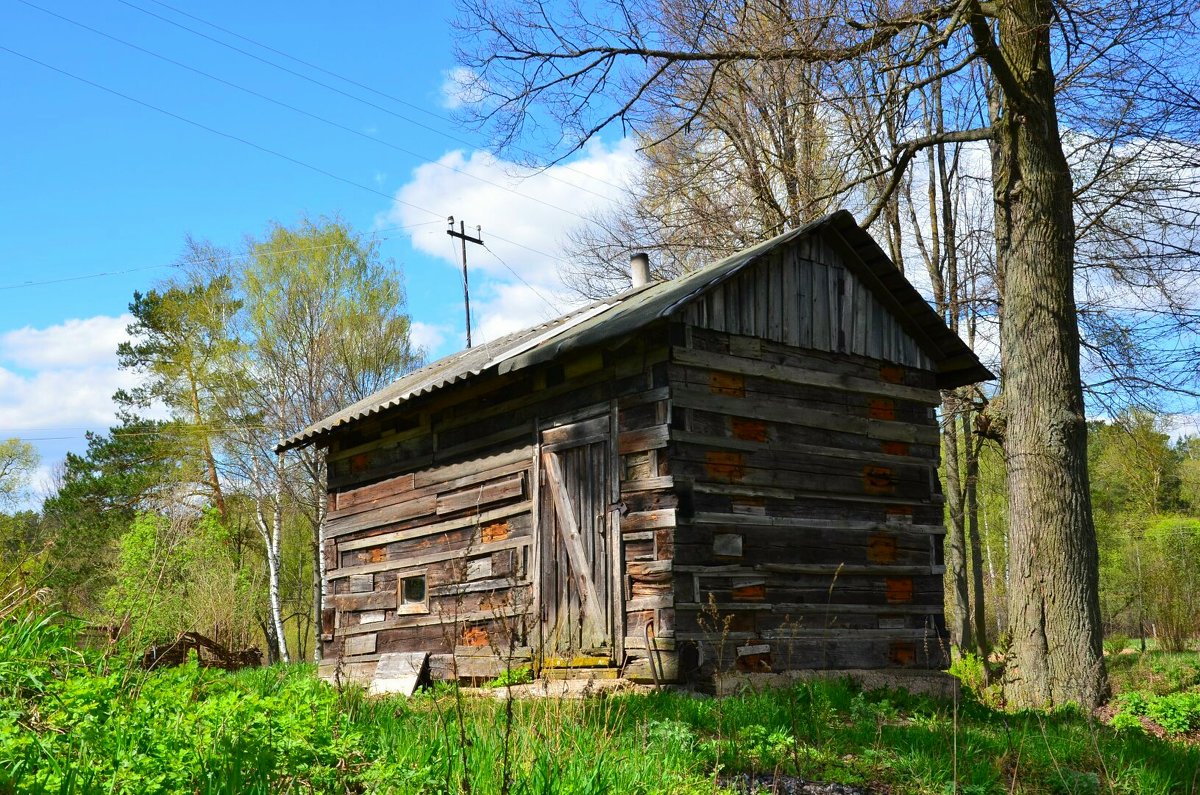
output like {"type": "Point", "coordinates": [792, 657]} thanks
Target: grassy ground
{"type": "Point", "coordinates": [73, 723]}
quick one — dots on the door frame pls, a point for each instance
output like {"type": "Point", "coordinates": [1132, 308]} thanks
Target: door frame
{"type": "Point", "coordinates": [612, 546]}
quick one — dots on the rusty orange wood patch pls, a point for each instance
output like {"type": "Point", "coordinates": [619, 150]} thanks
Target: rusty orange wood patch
{"type": "Point", "coordinates": [899, 514]}
{"type": "Point", "coordinates": [729, 384]}
{"type": "Point", "coordinates": [896, 448]}
{"type": "Point", "coordinates": [881, 409]}
{"type": "Point", "coordinates": [754, 663]}
{"type": "Point", "coordinates": [750, 593]}
{"type": "Point", "coordinates": [902, 652]}
{"type": "Point", "coordinates": [359, 462]}
{"type": "Point", "coordinates": [474, 636]}
{"type": "Point", "coordinates": [723, 465]}
{"type": "Point", "coordinates": [750, 430]}
{"type": "Point", "coordinates": [892, 373]}
{"type": "Point", "coordinates": [881, 548]}
{"type": "Point", "coordinates": [898, 590]}
{"type": "Point", "coordinates": [378, 555]}
{"type": "Point", "coordinates": [495, 532]}
{"type": "Point", "coordinates": [878, 480]}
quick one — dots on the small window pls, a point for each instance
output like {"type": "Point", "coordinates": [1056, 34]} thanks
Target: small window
{"type": "Point", "coordinates": [413, 590]}
{"type": "Point", "coordinates": [413, 596]}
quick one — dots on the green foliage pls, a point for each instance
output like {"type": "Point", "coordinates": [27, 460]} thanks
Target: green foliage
{"type": "Point", "coordinates": [17, 461]}
{"type": "Point", "coordinates": [970, 669]}
{"type": "Point", "coordinates": [99, 494]}
{"type": "Point", "coordinates": [520, 675]}
{"type": "Point", "coordinates": [1176, 713]}
{"type": "Point", "coordinates": [1115, 643]}
{"type": "Point", "coordinates": [1155, 672]}
{"type": "Point", "coordinates": [177, 574]}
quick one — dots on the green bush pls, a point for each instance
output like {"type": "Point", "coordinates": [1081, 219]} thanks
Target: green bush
{"type": "Point", "coordinates": [1177, 713]}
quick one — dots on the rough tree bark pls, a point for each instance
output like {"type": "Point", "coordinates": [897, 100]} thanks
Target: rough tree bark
{"type": "Point", "coordinates": [1054, 608]}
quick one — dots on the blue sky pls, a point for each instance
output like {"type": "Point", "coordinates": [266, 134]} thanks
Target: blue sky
{"type": "Point", "coordinates": [108, 176]}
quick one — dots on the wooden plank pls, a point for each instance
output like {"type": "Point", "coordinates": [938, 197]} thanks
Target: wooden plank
{"type": "Point", "coordinates": [648, 520]}
{"type": "Point", "coordinates": [579, 563]}
{"type": "Point", "coordinates": [368, 494]}
{"type": "Point", "coordinates": [417, 561]}
{"type": "Point", "coordinates": [516, 431]}
{"type": "Point", "coordinates": [482, 494]}
{"type": "Point", "coordinates": [649, 603]}
{"type": "Point", "coordinates": [434, 619]}
{"type": "Point", "coordinates": [649, 567]}
{"type": "Point", "coordinates": [399, 673]}
{"type": "Point", "coordinates": [577, 433]}
{"type": "Point", "coordinates": [646, 396]}
{"type": "Point", "coordinates": [376, 600]}
{"type": "Point", "coordinates": [814, 608]}
{"type": "Point", "coordinates": [662, 483]}
{"type": "Point", "coordinates": [730, 443]}
{"type": "Point", "coordinates": [738, 519]}
{"type": "Point", "coordinates": [803, 376]}
{"type": "Point", "coordinates": [436, 528]}
{"type": "Point", "coordinates": [397, 512]}
{"type": "Point", "coordinates": [431, 480]}
{"type": "Point", "coordinates": [807, 417]}
{"type": "Point", "coordinates": [643, 439]}
{"type": "Point", "coordinates": [359, 644]}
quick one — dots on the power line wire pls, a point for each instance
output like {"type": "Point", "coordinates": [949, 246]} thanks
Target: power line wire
{"type": "Point", "coordinates": [226, 260]}
{"type": "Point", "coordinates": [557, 311]}
{"type": "Point", "coordinates": [215, 131]}
{"type": "Point", "coordinates": [302, 112]}
{"type": "Point", "coordinates": [252, 145]}
{"type": "Point", "coordinates": [302, 76]}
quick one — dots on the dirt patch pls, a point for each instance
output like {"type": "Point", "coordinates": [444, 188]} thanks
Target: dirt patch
{"type": "Point", "coordinates": [747, 784]}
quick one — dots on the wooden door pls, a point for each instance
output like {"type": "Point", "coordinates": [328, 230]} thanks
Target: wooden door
{"type": "Point", "coordinates": [576, 539]}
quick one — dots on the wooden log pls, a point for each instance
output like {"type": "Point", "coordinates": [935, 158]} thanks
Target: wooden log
{"type": "Point", "coordinates": [791, 374]}
{"type": "Point", "coordinates": [477, 496]}
{"type": "Point", "coordinates": [436, 528]}
{"type": "Point", "coordinates": [377, 600]}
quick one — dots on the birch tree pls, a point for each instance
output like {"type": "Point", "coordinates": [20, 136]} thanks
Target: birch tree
{"type": "Point", "coordinates": [323, 326]}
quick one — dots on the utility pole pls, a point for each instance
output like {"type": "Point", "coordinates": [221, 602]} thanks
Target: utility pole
{"type": "Point", "coordinates": [462, 234]}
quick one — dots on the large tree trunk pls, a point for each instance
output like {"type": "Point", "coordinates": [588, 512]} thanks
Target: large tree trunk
{"type": "Point", "coordinates": [1054, 610]}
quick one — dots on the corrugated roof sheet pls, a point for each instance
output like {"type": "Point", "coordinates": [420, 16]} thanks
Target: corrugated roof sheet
{"type": "Point", "coordinates": [624, 314]}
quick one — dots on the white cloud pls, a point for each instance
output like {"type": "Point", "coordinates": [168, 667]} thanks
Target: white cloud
{"type": "Point", "coordinates": [506, 307]}
{"type": "Point", "coordinates": [80, 342]}
{"type": "Point", "coordinates": [62, 398]}
{"type": "Point", "coordinates": [430, 336]}
{"type": "Point", "coordinates": [461, 86]}
{"type": "Point", "coordinates": [531, 211]}
{"type": "Point", "coordinates": [56, 383]}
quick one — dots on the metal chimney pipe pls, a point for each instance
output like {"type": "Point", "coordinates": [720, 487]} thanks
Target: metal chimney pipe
{"type": "Point", "coordinates": [639, 269]}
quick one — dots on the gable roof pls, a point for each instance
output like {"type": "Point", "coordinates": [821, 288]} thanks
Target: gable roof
{"type": "Point", "coordinates": [623, 314]}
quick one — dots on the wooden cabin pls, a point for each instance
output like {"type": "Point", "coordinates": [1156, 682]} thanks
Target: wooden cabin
{"type": "Point", "coordinates": [734, 470]}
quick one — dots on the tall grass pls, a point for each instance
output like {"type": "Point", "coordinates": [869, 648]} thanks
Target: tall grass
{"type": "Point", "coordinates": [78, 722]}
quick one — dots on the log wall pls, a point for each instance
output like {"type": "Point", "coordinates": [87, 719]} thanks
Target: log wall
{"type": "Point", "coordinates": [448, 487]}
{"type": "Point", "coordinates": [814, 532]}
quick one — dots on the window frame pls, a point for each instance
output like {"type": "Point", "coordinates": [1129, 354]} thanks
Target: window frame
{"type": "Point", "coordinates": [405, 608]}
